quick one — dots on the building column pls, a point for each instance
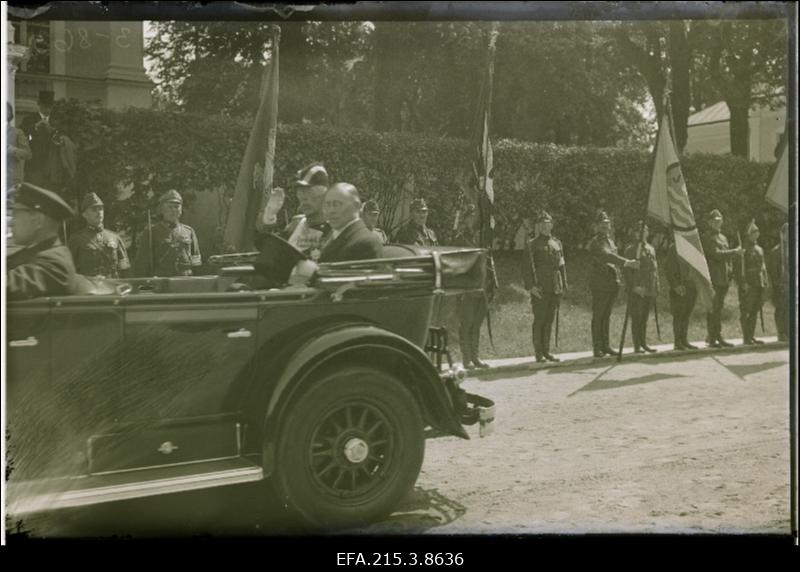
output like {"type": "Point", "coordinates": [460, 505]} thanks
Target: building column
{"type": "Point", "coordinates": [17, 55]}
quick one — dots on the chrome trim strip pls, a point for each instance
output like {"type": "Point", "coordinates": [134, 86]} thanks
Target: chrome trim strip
{"type": "Point", "coordinates": [137, 316]}
{"type": "Point", "coordinates": [71, 499]}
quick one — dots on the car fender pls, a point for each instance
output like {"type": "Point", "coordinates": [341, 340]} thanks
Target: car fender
{"type": "Point", "coordinates": [354, 343]}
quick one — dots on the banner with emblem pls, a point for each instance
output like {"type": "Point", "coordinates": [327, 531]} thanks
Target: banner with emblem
{"type": "Point", "coordinates": [669, 203]}
{"type": "Point", "coordinates": [482, 156]}
{"type": "Point", "coordinates": [256, 171]}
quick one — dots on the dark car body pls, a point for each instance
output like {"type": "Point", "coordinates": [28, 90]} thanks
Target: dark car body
{"type": "Point", "coordinates": [155, 385]}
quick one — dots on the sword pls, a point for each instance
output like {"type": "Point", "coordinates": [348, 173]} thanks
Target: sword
{"type": "Point", "coordinates": [558, 311]}
{"type": "Point", "coordinates": [655, 312]}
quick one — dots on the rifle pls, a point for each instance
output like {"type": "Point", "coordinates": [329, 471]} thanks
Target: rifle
{"type": "Point", "coordinates": [150, 245]}
{"type": "Point", "coordinates": [655, 312]}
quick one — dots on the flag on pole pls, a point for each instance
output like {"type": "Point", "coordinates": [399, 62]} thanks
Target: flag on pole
{"type": "Point", "coordinates": [778, 189]}
{"type": "Point", "coordinates": [257, 169]}
{"type": "Point", "coordinates": [482, 158]}
{"type": "Point", "coordinates": [669, 203]}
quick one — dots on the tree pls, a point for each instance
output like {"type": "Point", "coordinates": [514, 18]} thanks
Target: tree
{"type": "Point", "coordinates": [742, 62]}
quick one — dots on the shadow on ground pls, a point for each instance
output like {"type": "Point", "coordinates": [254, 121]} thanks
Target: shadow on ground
{"type": "Point", "coordinates": [420, 511]}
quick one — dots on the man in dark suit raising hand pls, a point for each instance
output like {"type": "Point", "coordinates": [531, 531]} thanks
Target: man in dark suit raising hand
{"type": "Point", "coordinates": [350, 239]}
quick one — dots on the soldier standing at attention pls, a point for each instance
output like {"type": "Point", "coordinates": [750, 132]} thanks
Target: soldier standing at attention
{"type": "Point", "coordinates": [369, 214]}
{"type": "Point", "coordinates": [604, 281]}
{"type": "Point", "coordinates": [753, 282]}
{"type": "Point", "coordinates": [471, 307]}
{"type": "Point", "coordinates": [95, 250]}
{"type": "Point", "coordinates": [719, 257]}
{"type": "Point", "coordinates": [642, 286]}
{"type": "Point", "coordinates": [416, 232]}
{"type": "Point", "coordinates": [545, 276]}
{"type": "Point", "coordinates": [43, 266]}
{"type": "Point", "coordinates": [778, 270]}
{"type": "Point", "coordinates": [175, 250]}
{"type": "Point", "coordinates": [682, 297]}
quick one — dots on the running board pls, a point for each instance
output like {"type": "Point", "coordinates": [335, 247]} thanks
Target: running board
{"type": "Point", "coordinates": [54, 494]}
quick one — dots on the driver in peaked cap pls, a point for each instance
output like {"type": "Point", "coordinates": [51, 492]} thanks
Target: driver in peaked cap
{"type": "Point", "coordinates": [43, 267]}
{"type": "Point", "coordinates": [416, 232]}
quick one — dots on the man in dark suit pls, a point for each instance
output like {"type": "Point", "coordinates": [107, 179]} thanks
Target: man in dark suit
{"type": "Point", "coordinates": [350, 239]}
{"type": "Point", "coordinates": [43, 267]}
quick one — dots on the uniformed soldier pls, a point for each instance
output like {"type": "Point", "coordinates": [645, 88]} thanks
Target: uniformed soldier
{"type": "Point", "coordinates": [604, 281]}
{"type": "Point", "coordinates": [642, 286]}
{"type": "Point", "coordinates": [308, 230]}
{"type": "Point", "coordinates": [369, 214]}
{"type": "Point", "coordinates": [682, 297]}
{"type": "Point", "coordinates": [719, 256]}
{"type": "Point", "coordinates": [175, 250]}
{"type": "Point", "coordinates": [416, 232]}
{"type": "Point", "coordinates": [778, 270]}
{"type": "Point", "coordinates": [753, 282]}
{"type": "Point", "coordinates": [472, 307]}
{"type": "Point", "coordinates": [43, 266]}
{"type": "Point", "coordinates": [545, 276]}
{"type": "Point", "coordinates": [95, 250]}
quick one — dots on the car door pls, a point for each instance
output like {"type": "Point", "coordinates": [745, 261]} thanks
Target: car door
{"type": "Point", "coordinates": [169, 399]}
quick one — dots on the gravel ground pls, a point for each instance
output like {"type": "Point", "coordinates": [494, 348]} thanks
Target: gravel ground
{"type": "Point", "coordinates": [696, 445]}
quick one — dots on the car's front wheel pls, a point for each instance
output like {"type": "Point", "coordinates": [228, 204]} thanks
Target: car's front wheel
{"type": "Point", "coordinates": [350, 448]}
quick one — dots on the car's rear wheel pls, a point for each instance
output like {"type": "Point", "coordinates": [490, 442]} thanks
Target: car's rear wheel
{"type": "Point", "coordinates": [350, 448]}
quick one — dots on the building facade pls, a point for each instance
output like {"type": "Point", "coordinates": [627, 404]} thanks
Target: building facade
{"type": "Point", "coordinates": [99, 62]}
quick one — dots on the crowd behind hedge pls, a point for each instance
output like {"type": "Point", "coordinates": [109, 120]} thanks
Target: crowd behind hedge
{"type": "Point", "coordinates": [152, 151]}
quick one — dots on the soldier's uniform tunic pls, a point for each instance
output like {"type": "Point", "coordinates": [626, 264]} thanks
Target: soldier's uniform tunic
{"type": "Point", "coordinates": [646, 277]}
{"type": "Point", "coordinates": [548, 273]}
{"type": "Point", "coordinates": [98, 251]}
{"type": "Point", "coordinates": [175, 251]}
{"type": "Point", "coordinates": [719, 256]}
{"type": "Point", "coordinates": [752, 287]}
{"type": "Point", "coordinates": [680, 305]}
{"type": "Point", "coordinates": [471, 307]}
{"type": "Point", "coordinates": [42, 269]}
{"type": "Point", "coordinates": [381, 234]}
{"type": "Point", "coordinates": [604, 281]}
{"type": "Point", "coordinates": [416, 235]}
{"type": "Point", "coordinates": [778, 270]}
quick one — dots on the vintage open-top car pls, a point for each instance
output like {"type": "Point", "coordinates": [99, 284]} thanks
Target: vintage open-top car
{"type": "Point", "coordinates": [326, 389]}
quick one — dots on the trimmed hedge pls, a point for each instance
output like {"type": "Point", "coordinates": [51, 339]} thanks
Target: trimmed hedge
{"type": "Point", "coordinates": [152, 151]}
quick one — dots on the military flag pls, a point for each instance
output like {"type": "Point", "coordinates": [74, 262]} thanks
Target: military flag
{"type": "Point", "coordinates": [778, 190]}
{"type": "Point", "coordinates": [256, 171]}
{"type": "Point", "coordinates": [669, 203]}
{"type": "Point", "coordinates": [482, 159]}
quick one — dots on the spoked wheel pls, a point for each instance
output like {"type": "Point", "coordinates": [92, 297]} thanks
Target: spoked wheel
{"type": "Point", "coordinates": [350, 449]}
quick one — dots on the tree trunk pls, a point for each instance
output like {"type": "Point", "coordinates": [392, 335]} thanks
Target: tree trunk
{"type": "Point", "coordinates": [293, 96]}
{"type": "Point", "coordinates": [387, 102]}
{"type": "Point", "coordinates": [740, 128]}
{"type": "Point", "coordinates": [680, 56]}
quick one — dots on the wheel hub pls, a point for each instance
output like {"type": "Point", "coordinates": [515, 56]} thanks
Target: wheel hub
{"type": "Point", "coordinates": [356, 450]}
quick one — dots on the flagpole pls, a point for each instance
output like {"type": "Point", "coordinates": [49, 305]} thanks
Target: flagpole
{"type": "Point", "coordinates": [665, 107]}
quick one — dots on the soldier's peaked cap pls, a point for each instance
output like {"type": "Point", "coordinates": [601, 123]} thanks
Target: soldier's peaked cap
{"type": "Point", "coordinates": [89, 201]}
{"type": "Point", "coordinates": [171, 196]}
{"type": "Point", "coordinates": [752, 227]}
{"type": "Point", "coordinates": [314, 175]}
{"type": "Point", "coordinates": [544, 216]}
{"type": "Point", "coordinates": [277, 258]}
{"type": "Point", "coordinates": [371, 207]}
{"type": "Point", "coordinates": [47, 202]}
{"type": "Point", "coordinates": [602, 216]}
{"type": "Point", "coordinates": [419, 205]}
{"type": "Point", "coordinates": [715, 215]}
